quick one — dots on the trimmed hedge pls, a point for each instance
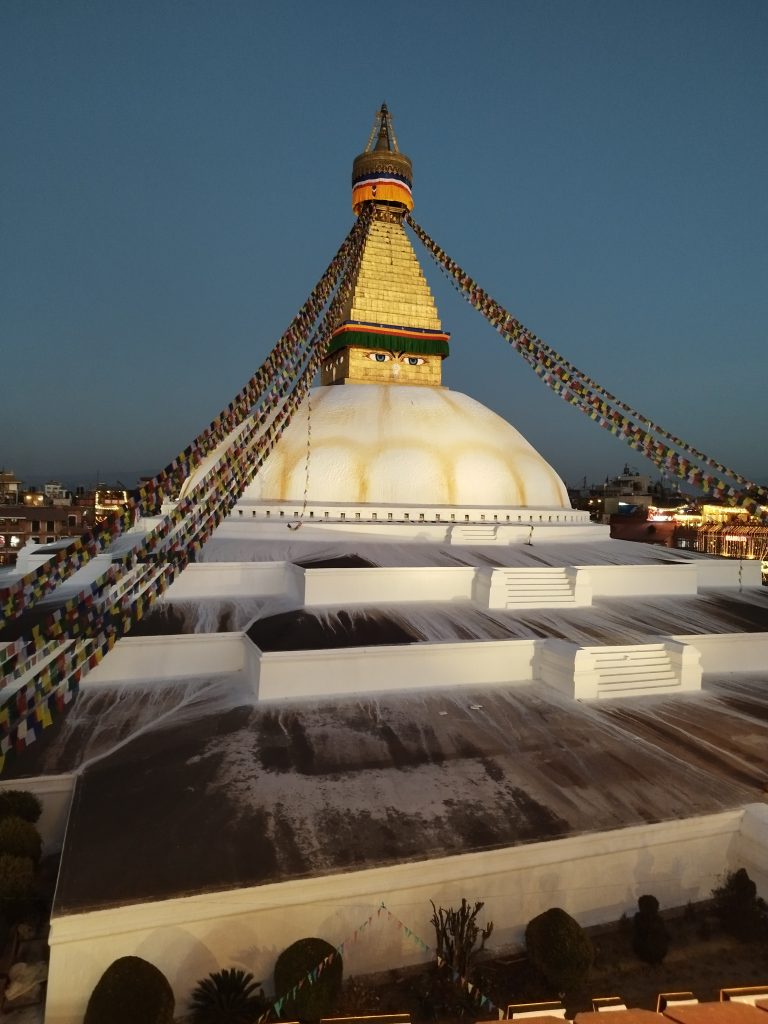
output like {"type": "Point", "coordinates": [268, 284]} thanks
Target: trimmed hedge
{"type": "Point", "coordinates": [316, 999]}
{"type": "Point", "coordinates": [18, 803]}
{"type": "Point", "coordinates": [131, 991]}
{"type": "Point", "coordinates": [20, 838]}
{"type": "Point", "coordinates": [650, 938]}
{"type": "Point", "coordinates": [17, 876]}
{"type": "Point", "coordinates": [559, 948]}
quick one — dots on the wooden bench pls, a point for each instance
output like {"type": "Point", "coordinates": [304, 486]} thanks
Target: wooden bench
{"type": "Point", "coordinates": [665, 999]}
{"type": "Point", "coordinates": [522, 1011]}
{"type": "Point", "coordinates": [373, 1018]}
{"type": "Point", "coordinates": [746, 994]}
{"type": "Point", "coordinates": [608, 1003]}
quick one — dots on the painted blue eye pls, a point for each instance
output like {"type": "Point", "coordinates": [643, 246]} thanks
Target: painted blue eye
{"type": "Point", "coordinates": [415, 361]}
{"type": "Point", "coordinates": [379, 357]}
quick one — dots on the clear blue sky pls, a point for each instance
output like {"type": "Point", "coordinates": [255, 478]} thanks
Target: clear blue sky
{"type": "Point", "coordinates": [175, 177]}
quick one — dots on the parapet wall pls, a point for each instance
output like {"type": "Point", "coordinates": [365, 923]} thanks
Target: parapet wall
{"type": "Point", "coordinates": [595, 877]}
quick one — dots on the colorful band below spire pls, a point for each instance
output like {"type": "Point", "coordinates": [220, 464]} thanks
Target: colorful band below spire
{"type": "Point", "coordinates": [382, 189]}
{"type": "Point", "coordinates": [414, 340]}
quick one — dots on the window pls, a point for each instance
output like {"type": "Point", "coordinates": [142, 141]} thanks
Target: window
{"type": "Point", "coordinates": [71, 520]}
{"type": "Point", "coordinates": [50, 525]}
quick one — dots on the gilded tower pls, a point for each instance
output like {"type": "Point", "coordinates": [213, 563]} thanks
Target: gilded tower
{"type": "Point", "coordinates": [389, 330]}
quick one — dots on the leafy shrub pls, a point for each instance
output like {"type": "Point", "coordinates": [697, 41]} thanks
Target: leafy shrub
{"type": "Point", "coordinates": [650, 938]}
{"type": "Point", "coordinates": [17, 876]}
{"type": "Point", "coordinates": [741, 911]}
{"type": "Point", "coordinates": [231, 996]}
{"type": "Point", "coordinates": [316, 998]}
{"type": "Point", "coordinates": [131, 991]}
{"type": "Point", "coordinates": [17, 803]}
{"type": "Point", "coordinates": [20, 838]}
{"type": "Point", "coordinates": [559, 948]}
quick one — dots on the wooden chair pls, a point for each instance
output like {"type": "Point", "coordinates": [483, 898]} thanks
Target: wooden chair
{"type": "Point", "coordinates": [373, 1018]}
{"type": "Point", "coordinates": [746, 994]}
{"type": "Point", "coordinates": [608, 1003]}
{"type": "Point", "coordinates": [520, 1011]}
{"type": "Point", "coordinates": [665, 999]}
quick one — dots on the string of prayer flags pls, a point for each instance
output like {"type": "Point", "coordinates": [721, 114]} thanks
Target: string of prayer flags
{"type": "Point", "coordinates": [579, 390]}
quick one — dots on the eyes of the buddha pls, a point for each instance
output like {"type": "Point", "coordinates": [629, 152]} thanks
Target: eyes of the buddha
{"type": "Point", "coordinates": [386, 357]}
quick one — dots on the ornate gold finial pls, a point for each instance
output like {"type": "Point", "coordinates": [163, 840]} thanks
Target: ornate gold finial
{"type": "Point", "coordinates": [381, 173]}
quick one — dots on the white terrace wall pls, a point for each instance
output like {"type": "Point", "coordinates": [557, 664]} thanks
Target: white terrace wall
{"type": "Point", "coordinates": [237, 579]}
{"type": "Point", "coordinates": [638, 580]}
{"type": "Point", "coordinates": [380, 585]}
{"type": "Point", "coordinates": [594, 877]}
{"type": "Point", "coordinates": [383, 585]}
{"type": "Point", "coordinates": [291, 674]}
{"type": "Point", "coordinates": [729, 652]}
{"type": "Point", "coordinates": [190, 656]}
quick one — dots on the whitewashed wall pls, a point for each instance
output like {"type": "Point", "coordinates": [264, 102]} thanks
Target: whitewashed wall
{"type": "Point", "coordinates": [594, 877]}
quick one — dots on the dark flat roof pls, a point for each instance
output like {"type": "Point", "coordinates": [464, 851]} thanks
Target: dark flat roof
{"type": "Point", "coordinates": [222, 794]}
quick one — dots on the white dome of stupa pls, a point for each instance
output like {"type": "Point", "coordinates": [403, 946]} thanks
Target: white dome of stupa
{"type": "Point", "coordinates": [389, 443]}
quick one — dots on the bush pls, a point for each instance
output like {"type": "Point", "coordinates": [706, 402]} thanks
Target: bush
{"type": "Point", "coordinates": [559, 948]}
{"type": "Point", "coordinates": [457, 933]}
{"type": "Point", "coordinates": [741, 911]}
{"type": "Point", "coordinates": [231, 996]}
{"type": "Point", "coordinates": [317, 998]}
{"type": "Point", "coordinates": [650, 938]}
{"type": "Point", "coordinates": [131, 991]}
{"type": "Point", "coordinates": [20, 838]}
{"type": "Point", "coordinates": [17, 876]}
{"type": "Point", "coordinates": [17, 803]}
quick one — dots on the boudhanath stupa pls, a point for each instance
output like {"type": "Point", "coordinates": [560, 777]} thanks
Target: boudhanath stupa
{"type": "Point", "coordinates": [400, 668]}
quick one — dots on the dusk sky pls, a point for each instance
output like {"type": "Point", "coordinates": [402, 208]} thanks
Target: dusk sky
{"type": "Point", "coordinates": [176, 176]}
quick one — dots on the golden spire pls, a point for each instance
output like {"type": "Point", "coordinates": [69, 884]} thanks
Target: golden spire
{"type": "Point", "coordinates": [389, 330]}
{"type": "Point", "coordinates": [381, 173]}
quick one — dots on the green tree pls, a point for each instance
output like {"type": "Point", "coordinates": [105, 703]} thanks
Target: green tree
{"type": "Point", "coordinates": [17, 877]}
{"type": "Point", "coordinates": [131, 991]}
{"type": "Point", "coordinates": [650, 938]}
{"type": "Point", "coordinates": [319, 992]}
{"type": "Point", "coordinates": [741, 911]}
{"type": "Point", "coordinates": [20, 838]}
{"type": "Point", "coordinates": [559, 948]}
{"type": "Point", "coordinates": [19, 803]}
{"type": "Point", "coordinates": [231, 996]}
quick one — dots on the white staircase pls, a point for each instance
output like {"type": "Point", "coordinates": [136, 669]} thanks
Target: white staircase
{"type": "Point", "coordinates": [474, 533]}
{"type": "Point", "coordinates": [635, 669]}
{"type": "Point", "coordinates": [532, 588]}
